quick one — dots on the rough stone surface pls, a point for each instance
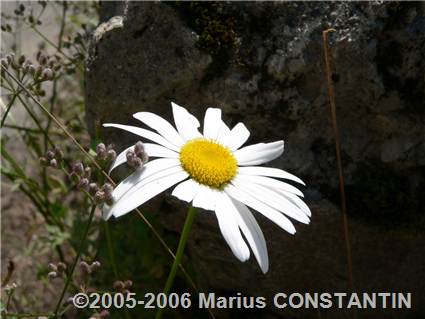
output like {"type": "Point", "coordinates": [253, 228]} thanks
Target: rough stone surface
{"type": "Point", "coordinates": [270, 75]}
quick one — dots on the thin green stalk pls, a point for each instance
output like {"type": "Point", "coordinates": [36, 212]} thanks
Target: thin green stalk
{"type": "Point", "coordinates": [191, 213]}
{"type": "Point", "coordinates": [79, 252]}
{"type": "Point", "coordinates": [8, 109]}
{"type": "Point", "coordinates": [110, 248]}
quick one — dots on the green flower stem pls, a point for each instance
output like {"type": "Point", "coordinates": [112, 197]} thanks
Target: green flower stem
{"type": "Point", "coordinates": [80, 250]}
{"type": "Point", "coordinates": [191, 213]}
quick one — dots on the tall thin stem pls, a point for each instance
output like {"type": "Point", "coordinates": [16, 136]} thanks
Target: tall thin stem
{"type": "Point", "coordinates": [331, 93]}
{"type": "Point", "coordinates": [79, 252]}
{"type": "Point", "coordinates": [191, 213]}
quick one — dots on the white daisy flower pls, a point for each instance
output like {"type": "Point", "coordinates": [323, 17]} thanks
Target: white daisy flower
{"type": "Point", "coordinates": [214, 172]}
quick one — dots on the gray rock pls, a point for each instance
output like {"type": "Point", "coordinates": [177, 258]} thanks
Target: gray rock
{"type": "Point", "coordinates": [269, 73]}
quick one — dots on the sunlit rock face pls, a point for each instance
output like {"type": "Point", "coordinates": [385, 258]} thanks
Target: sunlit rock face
{"type": "Point", "coordinates": [262, 63]}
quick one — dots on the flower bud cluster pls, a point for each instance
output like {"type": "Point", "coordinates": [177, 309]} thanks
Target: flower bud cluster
{"type": "Point", "coordinates": [123, 286]}
{"type": "Point", "coordinates": [80, 175]}
{"type": "Point", "coordinates": [52, 158]}
{"type": "Point", "coordinates": [88, 269]}
{"type": "Point", "coordinates": [56, 270]}
{"type": "Point", "coordinates": [137, 157]}
{"type": "Point", "coordinates": [105, 153]}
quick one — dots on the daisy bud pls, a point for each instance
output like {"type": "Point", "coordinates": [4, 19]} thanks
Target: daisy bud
{"type": "Point", "coordinates": [87, 172]}
{"type": "Point", "coordinates": [4, 63]}
{"type": "Point", "coordinates": [93, 188]}
{"type": "Point", "coordinates": [50, 155]}
{"type": "Point", "coordinates": [99, 197]}
{"type": "Point", "coordinates": [95, 265]}
{"type": "Point", "coordinates": [52, 275]}
{"type": "Point", "coordinates": [52, 267]}
{"type": "Point", "coordinates": [53, 163]}
{"type": "Point", "coordinates": [79, 168]}
{"type": "Point", "coordinates": [21, 59]}
{"type": "Point", "coordinates": [31, 69]}
{"type": "Point", "coordinates": [118, 285]}
{"type": "Point", "coordinates": [47, 74]}
{"type": "Point", "coordinates": [107, 188]}
{"type": "Point", "coordinates": [108, 198]}
{"type": "Point", "coordinates": [101, 150]}
{"type": "Point", "coordinates": [112, 155]}
{"type": "Point", "coordinates": [10, 57]}
{"type": "Point", "coordinates": [61, 267]}
{"type": "Point", "coordinates": [58, 153]}
{"type": "Point", "coordinates": [85, 267]}
{"type": "Point", "coordinates": [83, 184]}
{"type": "Point", "coordinates": [42, 59]}
{"type": "Point", "coordinates": [139, 148]}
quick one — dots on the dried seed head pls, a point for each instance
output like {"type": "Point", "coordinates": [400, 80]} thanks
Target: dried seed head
{"type": "Point", "coordinates": [61, 267]}
{"type": "Point", "coordinates": [101, 150]}
{"type": "Point", "coordinates": [128, 283]}
{"type": "Point", "coordinates": [21, 59]}
{"type": "Point", "coordinates": [42, 59]}
{"type": "Point", "coordinates": [52, 267]}
{"type": "Point", "coordinates": [139, 148]}
{"type": "Point", "coordinates": [50, 155]}
{"type": "Point", "coordinates": [31, 69]}
{"type": "Point", "coordinates": [53, 163]}
{"type": "Point", "coordinates": [93, 188]}
{"type": "Point", "coordinates": [95, 265]}
{"type": "Point", "coordinates": [52, 275]}
{"type": "Point", "coordinates": [38, 71]}
{"type": "Point", "coordinates": [5, 63]}
{"type": "Point", "coordinates": [85, 267]}
{"type": "Point", "coordinates": [47, 74]}
{"type": "Point", "coordinates": [83, 184]}
{"type": "Point", "coordinates": [118, 285]}
{"type": "Point", "coordinates": [58, 153]}
{"type": "Point", "coordinates": [112, 155]}
{"type": "Point", "coordinates": [78, 168]}
{"type": "Point", "coordinates": [87, 172]}
{"type": "Point", "coordinates": [99, 197]}
{"type": "Point", "coordinates": [107, 188]}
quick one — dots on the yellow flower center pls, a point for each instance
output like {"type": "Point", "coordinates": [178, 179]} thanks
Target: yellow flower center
{"type": "Point", "coordinates": [208, 162]}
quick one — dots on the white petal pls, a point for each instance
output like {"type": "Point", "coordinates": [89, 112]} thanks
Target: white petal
{"type": "Point", "coordinates": [134, 199]}
{"type": "Point", "coordinates": [273, 183]}
{"type": "Point", "coordinates": [186, 123]}
{"type": "Point", "coordinates": [146, 134]}
{"type": "Point", "coordinates": [237, 136]}
{"type": "Point", "coordinates": [155, 150]}
{"type": "Point", "coordinates": [296, 200]}
{"type": "Point", "coordinates": [212, 123]}
{"type": "Point", "coordinates": [259, 153]}
{"type": "Point", "coordinates": [227, 220]}
{"type": "Point", "coordinates": [253, 235]}
{"type": "Point", "coordinates": [146, 174]}
{"type": "Point", "coordinates": [272, 199]}
{"type": "Point", "coordinates": [160, 125]}
{"type": "Point", "coordinates": [223, 134]}
{"type": "Point", "coordinates": [268, 171]}
{"type": "Point", "coordinates": [186, 191]}
{"type": "Point", "coordinates": [262, 208]}
{"type": "Point", "coordinates": [205, 198]}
